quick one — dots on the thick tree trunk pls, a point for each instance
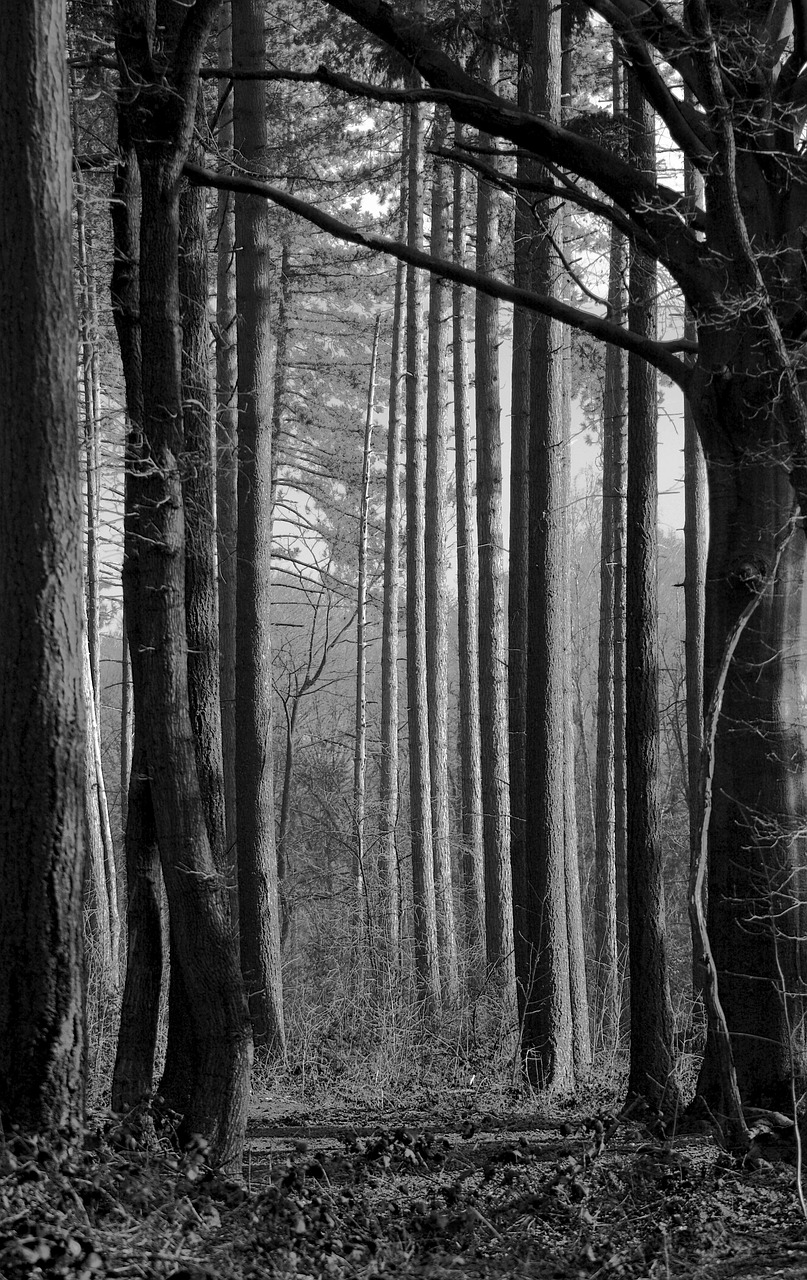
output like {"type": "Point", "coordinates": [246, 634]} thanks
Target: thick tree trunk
{"type": "Point", "coordinates": [436, 549]}
{"type": "Point", "coordinates": [42, 844]}
{"type": "Point", "coordinates": [197, 895]}
{"type": "Point", "coordinates": [425, 918]}
{"type": "Point", "coordinates": [651, 1022]}
{"type": "Point", "coordinates": [472, 857]}
{"type": "Point", "coordinates": [757, 895]}
{"type": "Point", "coordinates": [257, 856]}
{"type": "Point", "coordinates": [493, 691]}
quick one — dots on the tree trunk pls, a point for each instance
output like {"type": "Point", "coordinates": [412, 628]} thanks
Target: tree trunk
{"type": "Point", "coordinates": [257, 856]}
{"type": "Point", "coordinates": [133, 1075]}
{"type": "Point", "coordinates": [542, 958]}
{"type": "Point", "coordinates": [227, 453]}
{"type": "Point", "coordinates": [436, 549]}
{"type": "Point", "coordinates": [606, 933]}
{"type": "Point", "coordinates": [696, 516]}
{"type": "Point", "coordinates": [425, 918]}
{"type": "Point", "coordinates": [518, 567]}
{"type": "Point", "coordinates": [360, 744]}
{"type": "Point", "coordinates": [472, 856]}
{"type": "Point", "coordinates": [493, 690]}
{"type": "Point", "coordinates": [388, 871]}
{"type": "Point", "coordinates": [652, 1061]}
{"type": "Point", "coordinates": [197, 896]}
{"type": "Point", "coordinates": [42, 843]}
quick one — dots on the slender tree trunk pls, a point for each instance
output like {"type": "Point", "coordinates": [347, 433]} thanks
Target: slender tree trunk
{"type": "Point", "coordinates": [281, 357]}
{"type": "Point", "coordinates": [257, 857]}
{"type": "Point", "coordinates": [360, 745]}
{"type": "Point", "coordinates": [606, 936]}
{"type": "Point", "coordinates": [578, 989]}
{"type": "Point", "coordinates": [542, 929]}
{"type": "Point", "coordinates": [133, 1075]}
{"type": "Point", "coordinates": [651, 1021]}
{"type": "Point", "coordinates": [42, 843]}
{"type": "Point", "coordinates": [518, 569]}
{"type": "Point", "coordinates": [696, 515]}
{"type": "Point", "coordinates": [492, 606]}
{"type": "Point", "coordinates": [436, 548]}
{"type": "Point", "coordinates": [425, 918]}
{"type": "Point", "coordinates": [125, 724]}
{"type": "Point", "coordinates": [388, 872]}
{"type": "Point", "coordinates": [96, 905]}
{"type": "Point", "coordinates": [227, 452]}
{"type": "Point", "coordinates": [472, 857]}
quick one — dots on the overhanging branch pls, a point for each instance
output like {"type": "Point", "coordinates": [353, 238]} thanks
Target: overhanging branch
{"type": "Point", "coordinates": [663, 355]}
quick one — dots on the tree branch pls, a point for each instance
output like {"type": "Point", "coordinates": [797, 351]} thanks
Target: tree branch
{"type": "Point", "coordinates": [663, 355]}
{"type": "Point", "coordinates": [660, 211]}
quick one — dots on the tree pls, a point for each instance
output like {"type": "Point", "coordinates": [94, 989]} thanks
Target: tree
{"type": "Point", "coordinates": [158, 102]}
{"type": "Point", "coordinates": [651, 1023]}
{"type": "Point", "coordinates": [737, 263]}
{"type": "Point", "coordinates": [255, 822]}
{"type": "Point", "coordinates": [42, 844]}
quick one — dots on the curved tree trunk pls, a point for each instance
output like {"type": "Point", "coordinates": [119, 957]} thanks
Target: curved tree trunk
{"type": "Point", "coordinates": [42, 844]}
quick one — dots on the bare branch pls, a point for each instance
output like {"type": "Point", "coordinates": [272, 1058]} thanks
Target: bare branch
{"type": "Point", "coordinates": [663, 355]}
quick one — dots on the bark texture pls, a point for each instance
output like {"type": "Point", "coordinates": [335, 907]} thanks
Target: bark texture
{"type": "Point", "coordinates": [42, 840]}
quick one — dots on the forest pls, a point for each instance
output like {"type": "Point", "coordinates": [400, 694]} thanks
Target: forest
{"type": "Point", "coordinates": [403, 831]}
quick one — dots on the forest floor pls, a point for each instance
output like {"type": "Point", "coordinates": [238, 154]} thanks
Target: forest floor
{"type": "Point", "coordinates": [442, 1182]}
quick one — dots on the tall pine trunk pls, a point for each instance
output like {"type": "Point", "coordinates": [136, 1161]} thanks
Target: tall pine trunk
{"type": "Point", "coordinates": [425, 916]}
{"type": "Point", "coordinates": [492, 606]}
{"type": "Point", "coordinates": [651, 1022]}
{"type": "Point", "coordinates": [436, 549]}
{"type": "Point", "coordinates": [255, 819]}
{"type": "Point", "coordinates": [472, 857]}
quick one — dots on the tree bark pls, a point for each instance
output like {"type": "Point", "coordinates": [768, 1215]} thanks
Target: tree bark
{"type": "Point", "coordinates": [542, 941]}
{"type": "Point", "coordinates": [42, 842]}
{"type": "Point", "coordinates": [388, 870]}
{"type": "Point", "coordinates": [360, 743]}
{"type": "Point", "coordinates": [425, 916]}
{"type": "Point", "coordinates": [436, 551]}
{"type": "Point", "coordinates": [257, 856]}
{"type": "Point", "coordinates": [227, 453]}
{"type": "Point", "coordinates": [161, 125]}
{"type": "Point", "coordinates": [492, 607]}
{"type": "Point", "coordinates": [608, 940]}
{"type": "Point", "coordinates": [652, 1063]}
{"type": "Point", "coordinates": [472, 856]}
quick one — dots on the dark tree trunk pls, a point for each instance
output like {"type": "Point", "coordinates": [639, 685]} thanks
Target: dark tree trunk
{"type": "Point", "coordinates": [542, 942]}
{"type": "Point", "coordinates": [41, 825]}
{"type": "Point", "coordinates": [425, 918]}
{"type": "Point", "coordinates": [255, 819]}
{"type": "Point", "coordinates": [651, 1021]}
{"type": "Point", "coordinates": [161, 123]}
{"type": "Point", "coordinates": [472, 857]}
{"type": "Point", "coordinates": [133, 1076]}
